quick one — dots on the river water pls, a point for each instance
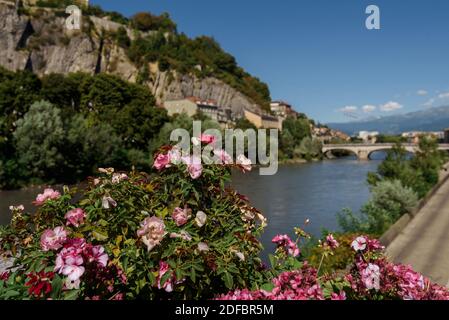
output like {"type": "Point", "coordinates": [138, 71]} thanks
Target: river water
{"type": "Point", "coordinates": [315, 191]}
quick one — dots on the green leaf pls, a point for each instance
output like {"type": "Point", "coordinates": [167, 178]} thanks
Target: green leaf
{"type": "Point", "coordinates": [10, 294]}
{"type": "Point", "coordinates": [178, 273]}
{"type": "Point", "coordinates": [267, 287]}
{"type": "Point", "coordinates": [165, 277]}
{"type": "Point", "coordinates": [71, 295]}
{"type": "Point", "coordinates": [273, 260]}
{"type": "Point", "coordinates": [100, 235]}
{"type": "Point", "coordinates": [228, 280]}
{"type": "Point", "coordinates": [56, 286]}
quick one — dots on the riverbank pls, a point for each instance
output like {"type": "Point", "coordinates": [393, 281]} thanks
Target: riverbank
{"type": "Point", "coordinates": [390, 235]}
{"type": "Point", "coordinates": [419, 239]}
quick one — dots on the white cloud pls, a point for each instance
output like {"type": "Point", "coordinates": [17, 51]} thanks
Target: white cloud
{"type": "Point", "coordinates": [421, 92]}
{"type": "Point", "coordinates": [390, 106]}
{"type": "Point", "coordinates": [369, 108]}
{"type": "Point", "coordinates": [349, 109]}
{"type": "Point", "coordinates": [443, 95]}
{"type": "Point", "coordinates": [429, 102]}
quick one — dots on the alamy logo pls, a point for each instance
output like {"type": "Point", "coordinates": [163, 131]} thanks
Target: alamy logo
{"type": "Point", "coordinates": [373, 20]}
{"type": "Point", "coordinates": [73, 21]}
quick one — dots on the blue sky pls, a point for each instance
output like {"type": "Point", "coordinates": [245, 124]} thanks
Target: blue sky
{"type": "Point", "coordinates": [318, 55]}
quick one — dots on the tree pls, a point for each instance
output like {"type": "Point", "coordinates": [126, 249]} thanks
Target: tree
{"type": "Point", "coordinates": [299, 128]}
{"type": "Point", "coordinates": [39, 137]}
{"type": "Point", "coordinates": [122, 38]}
{"type": "Point", "coordinates": [87, 147]}
{"type": "Point", "coordinates": [309, 149]}
{"type": "Point", "coordinates": [17, 92]}
{"type": "Point", "coordinates": [145, 21]}
{"type": "Point", "coordinates": [102, 95]}
{"type": "Point", "coordinates": [138, 123]}
{"type": "Point", "coordinates": [287, 144]}
{"type": "Point", "coordinates": [419, 172]}
{"type": "Point", "coordinates": [63, 91]}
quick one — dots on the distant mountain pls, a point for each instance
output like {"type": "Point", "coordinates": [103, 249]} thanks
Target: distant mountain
{"type": "Point", "coordinates": [431, 119]}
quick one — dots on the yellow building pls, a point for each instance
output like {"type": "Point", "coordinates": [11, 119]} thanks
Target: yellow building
{"type": "Point", "coordinates": [263, 121]}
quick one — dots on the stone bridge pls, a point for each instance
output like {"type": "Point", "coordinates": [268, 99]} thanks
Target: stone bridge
{"type": "Point", "coordinates": [364, 150]}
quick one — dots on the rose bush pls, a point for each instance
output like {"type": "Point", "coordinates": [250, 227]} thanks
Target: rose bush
{"type": "Point", "coordinates": [176, 233]}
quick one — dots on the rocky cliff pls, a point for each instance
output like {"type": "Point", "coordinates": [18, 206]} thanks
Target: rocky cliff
{"type": "Point", "coordinates": [38, 41]}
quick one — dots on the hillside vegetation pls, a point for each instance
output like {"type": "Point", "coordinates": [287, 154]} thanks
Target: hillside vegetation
{"type": "Point", "coordinates": [158, 40]}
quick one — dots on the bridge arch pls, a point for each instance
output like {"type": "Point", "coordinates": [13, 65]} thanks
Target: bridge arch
{"type": "Point", "coordinates": [326, 152]}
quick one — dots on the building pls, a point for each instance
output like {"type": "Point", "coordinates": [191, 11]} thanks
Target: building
{"type": "Point", "coordinates": [414, 136]}
{"type": "Point", "coordinates": [192, 105]}
{"type": "Point", "coordinates": [328, 135]}
{"type": "Point", "coordinates": [282, 109]}
{"type": "Point", "coordinates": [263, 120]}
{"type": "Point", "coordinates": [368, 136]}
{"type": "Point", "coordinates": [270, 122]}
{"type": "Point", "coordinates": [446, 135]}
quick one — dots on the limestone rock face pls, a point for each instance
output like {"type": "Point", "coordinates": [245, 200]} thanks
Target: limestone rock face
{"type": "Point", "coordinates": [12, 29]}
{"type": "Point", "coordinates": [175, 86]}
{"type": "Point", "coordinates": [41, 43]}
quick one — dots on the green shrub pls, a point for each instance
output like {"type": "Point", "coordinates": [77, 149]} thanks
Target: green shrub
{"type": "Point", "coordinates": [389, 201]}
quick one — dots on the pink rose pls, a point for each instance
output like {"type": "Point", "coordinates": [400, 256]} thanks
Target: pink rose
{"type": "Point", "coordinates": [284, 241]}
{"type": "Point", "coordinates": [223, 157]}
{"type": "Point", "coordinates": [203, 247]}
{"type": "Point", "coordinates": [69, 263]}
{"type": "Point", "coordinates": [339, 296]}
{"type": "Point", "coordinates": [97, 254]}
{"type": "Point", "coordinates": [195, 170]}
{"type": "Point", "coordinates": [162, 161]}
{"type": "Point", "coordinates": [207, 138]}
{"type": "Point", "coordinates": [53, 239]}
{"type": "Point", "coordinates": [184, 235]}
{"type": "Point", "coordinates": [107, 202]}
{"type": "Point", "coordinates": [194, 166]}
{"type": "Point", "coordinates": [152, 232]}
{"type": "Point", "coordinates": [244, 163]}
{"type": "Point", "coordinates": [200, 219]}
{"type": "Point", "coordinates": [163, 269]}
{"type": "Point", "coordinates": [181, 216]}
{"type": "Point", "coordinates": [359, 244]}
{"type": "Point", "coordinates": [49, 194]}
{"type": "Point", "coordinates": [75, 217]}
{"type": "Point", "coordinates": [118, 177]}
{"type": "Point", "coordinates": [371, 277]}
{"type": "Point", "coordinates": [331, 242]}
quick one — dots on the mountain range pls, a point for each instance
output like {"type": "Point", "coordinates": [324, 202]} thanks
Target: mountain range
{"type": "Point", "coordinates": [430, 119]}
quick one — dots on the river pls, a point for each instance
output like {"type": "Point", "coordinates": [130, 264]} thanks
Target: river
{"type": "Point", "coordinates": [315, 191]}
